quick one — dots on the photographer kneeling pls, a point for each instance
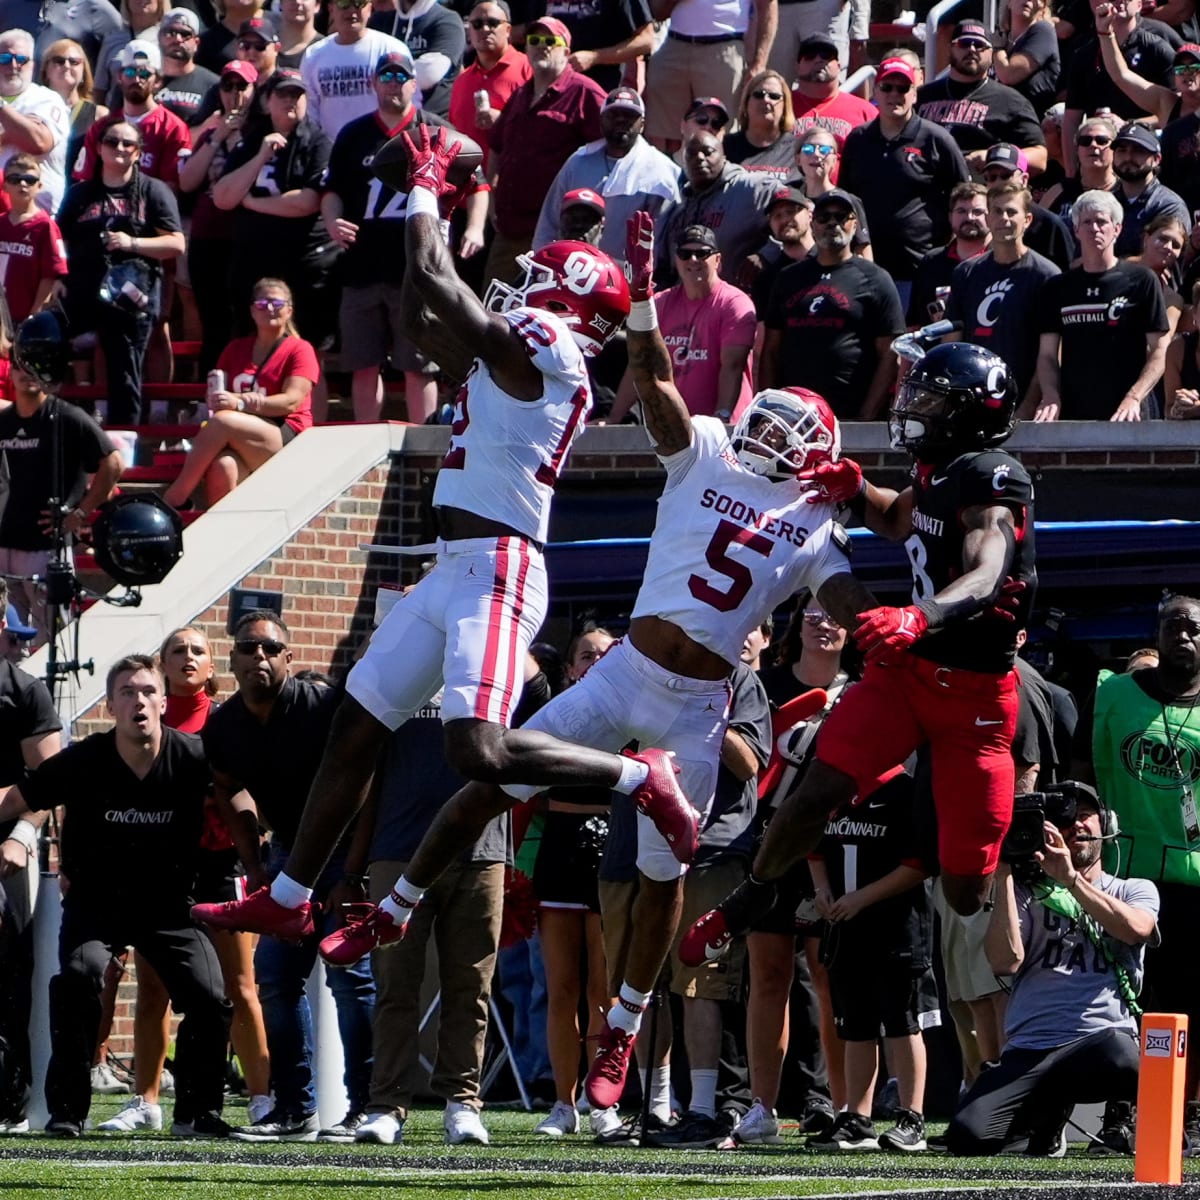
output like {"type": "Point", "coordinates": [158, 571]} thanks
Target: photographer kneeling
{"type": "Point", "coordinates": [1072, 937]}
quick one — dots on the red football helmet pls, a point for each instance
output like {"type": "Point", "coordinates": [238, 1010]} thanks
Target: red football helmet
{"type": "Point", "coordinates": [579, 284]}
{"type": "Point", "coordinates": [786, 431]}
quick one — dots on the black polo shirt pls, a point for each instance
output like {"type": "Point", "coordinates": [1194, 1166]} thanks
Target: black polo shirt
{"type": "Point", "coordinates": [276, 761]}
{"type": "Point", "coordinates": [124, 838]}
{"type": "Point", "coordinates": [903, 182]}
{"type": "Point", "coordinates": [978, 115]}
{"type": "Point", "coordinates": [26, 711]}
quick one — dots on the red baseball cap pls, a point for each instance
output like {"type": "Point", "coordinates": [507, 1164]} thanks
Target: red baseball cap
{"type": "Point", "coordinates": [896, 66]}
{"type": "Point", "coordinates": [242, 69]}
{"type": "Point", "coordinates": [586, 197]}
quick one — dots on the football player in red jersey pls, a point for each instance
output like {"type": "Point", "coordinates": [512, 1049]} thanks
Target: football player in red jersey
{"type": "Point", "coordinates": [466, 627]}
{"type": "Point", "coordinates": [939, 670]}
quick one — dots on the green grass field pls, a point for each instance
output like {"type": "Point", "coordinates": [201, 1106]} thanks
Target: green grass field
{"type": "Point", "coordinates": [516, 1165]}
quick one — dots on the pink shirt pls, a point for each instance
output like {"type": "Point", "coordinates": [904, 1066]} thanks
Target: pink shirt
{"type": "Point", "coordinates": [695, 331]}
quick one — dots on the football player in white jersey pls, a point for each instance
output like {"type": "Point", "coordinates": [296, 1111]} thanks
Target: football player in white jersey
{"type": "Point", "coordinates": [32, 118]}
{"type": "Point", "coordinates": [736, 535]}
{"type": "Point", "coordinates": [468, 624]}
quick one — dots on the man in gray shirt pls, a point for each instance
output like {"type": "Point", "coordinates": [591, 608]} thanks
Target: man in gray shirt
{"type": "Point", "coordinates": [1073, 943]}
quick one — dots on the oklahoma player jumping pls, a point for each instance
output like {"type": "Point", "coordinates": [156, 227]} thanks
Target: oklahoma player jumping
{"type": "Point", "coordinates": [469, 623]}
{"type": "Point", "coordinates": [939, 670]}
{"type": "Point", "coordinates": [734, 538]}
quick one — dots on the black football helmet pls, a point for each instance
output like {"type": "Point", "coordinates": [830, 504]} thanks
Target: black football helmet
{"type": "Point", "coordinates": [41, 347]}
{"type": "Point", "coordinates": [138, 538]}
{"type": "Point", "coordinates": [959, 397]}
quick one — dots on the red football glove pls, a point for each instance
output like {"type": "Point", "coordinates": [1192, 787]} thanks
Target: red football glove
{"type": "Point", "coordinates": [1008, 602]}
{"type": "Point", "coordinates": [429, 159]}
{"type": "Point", "coordinates": [833, 482]}
{"type": "Point", "coordinates": [882, 632]}
{"type": "Point", "coordinates": [639, 255]}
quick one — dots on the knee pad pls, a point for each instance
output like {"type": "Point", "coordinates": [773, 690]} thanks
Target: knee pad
{"type": "Point", "coordinates": [655, 859]}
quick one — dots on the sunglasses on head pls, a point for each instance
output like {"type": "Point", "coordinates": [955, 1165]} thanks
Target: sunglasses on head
{"type": "Point", "coordinates": [61, 60]}
{"type": "Point", "coordinates": [7, 57]}
{"type": "Point", "coordinates": [120, 143]}
{"type": "Point", "coordinates": [818, 148]}
{"type": "Point", "coordinates": [233, 83]}
{"type": "Point", "coordinates": [256, 44]}
{"type": "Point", "coordinates": [543, 39]}
{"type": "Point", "coordinates": [895, 89]}
{"type": "Point", "coordinates": [30, 180]}
{"type": "Point", "coordinates": [137, 73]}
{"type": "Point", "coordinates": [488, 22]}
{"type": "Point", "coordinates": [393, 75]}
{"type": "Point", "coordinates": [1093, 139]}
{"type": "Point", "coordinates": [269, 646]}
{"type": "Point", "coordinates": [269, 304]}
{"type": "Point", "coordinates": [763, 94]}
{"type": "Point", "coordinates": [688, 253]}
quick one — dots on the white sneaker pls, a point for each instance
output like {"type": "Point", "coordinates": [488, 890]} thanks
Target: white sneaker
{"type": "Point", "coordinates": [105, 1082]}
{"type": "Point", "coordinates": [462, 1124]}
{"type": "Point", "coordinates": [166, 1083]}
{"type": "Point", "coordinates": [560, 1120]}
{"type": "Point", "coordinates": [759, 1126]}
{"type": "Point", "coordinates": [14, 1126]}
{"type": "Point", "coordinates": [604, 1121]}
{"type": "Point", "coordinates": [258, 1108]}
{"type": "Point", "coordinates": [382, 1128]}
{"type": "Point", "coordinates": [136, 1114]}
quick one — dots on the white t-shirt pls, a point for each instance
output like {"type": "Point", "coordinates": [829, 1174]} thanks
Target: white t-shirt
{"type": "Point", "coordinates": [505, 455]}
{"type": "Point", "coordinates": [710, 18]}
{"type": "Point", "coordinates": [340, 78]}
{"type": "Point", "coordinates": [48, 107]}
{"type": "Point", "coordinates": [730, 546]}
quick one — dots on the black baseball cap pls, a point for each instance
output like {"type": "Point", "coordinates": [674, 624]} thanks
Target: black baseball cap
{"type": "Point", "coordinates": [697, 235]}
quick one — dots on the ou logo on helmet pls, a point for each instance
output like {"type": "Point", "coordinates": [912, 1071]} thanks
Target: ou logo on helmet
{"type": "Point", "coordinates": [580, 273]}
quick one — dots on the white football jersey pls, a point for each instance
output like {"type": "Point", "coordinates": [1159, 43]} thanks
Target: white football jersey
{"type": "Point", "coordinates": [730, 546]}
{"type": "Point", "coordinates": [505, 454]}
{"type": "Point", "coordinates": [47, 106]}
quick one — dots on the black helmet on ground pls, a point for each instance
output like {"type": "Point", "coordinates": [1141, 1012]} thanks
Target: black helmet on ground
{"type": "Point", "coordinates": [138, 538]}
{"type": "Point", "coordinates": [959, 397]}
{"type": "Point", "coordinates": [42, 348]}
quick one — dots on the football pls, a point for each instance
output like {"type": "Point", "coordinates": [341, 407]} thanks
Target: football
{"type": "Point", "coordinates": [390, 164]}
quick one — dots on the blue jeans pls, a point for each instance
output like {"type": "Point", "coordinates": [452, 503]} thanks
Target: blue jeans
{"type": "Point", "coordinates": [281, 970]}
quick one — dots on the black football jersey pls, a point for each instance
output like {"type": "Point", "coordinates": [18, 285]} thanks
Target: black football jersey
{"type": "Point", "coordinates": [935, 551]}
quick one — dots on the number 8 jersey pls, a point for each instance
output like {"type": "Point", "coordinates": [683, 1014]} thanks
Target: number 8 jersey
{"type": "Point", "coordinates": [505, 454]}
{"type": "Point", "coordinates": [730, 546]}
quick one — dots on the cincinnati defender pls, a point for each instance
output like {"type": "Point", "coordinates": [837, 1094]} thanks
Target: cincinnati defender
{"type": "Point", "coordinates": [468, 624]}
{"type": "Point", "coordinates": [939, 670]}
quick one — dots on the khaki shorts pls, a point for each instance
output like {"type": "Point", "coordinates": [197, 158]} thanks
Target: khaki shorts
{"type": "Point", "coordinates": [372, 328]}
{"type": "Point", "coordinates": [705, 888]}
{"type": "Point", "coordinates": [968, 976]}
{"type": "Point", "coordinates": [680, 71]}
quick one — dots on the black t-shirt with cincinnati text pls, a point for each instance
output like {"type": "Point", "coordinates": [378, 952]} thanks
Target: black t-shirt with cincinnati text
{"type": "Point", "coordinates": [940, 496]}
{"type": "Point", "coordinates": [829, 318]}
{"type": "Point", "coordinates": [125, 837]}
{"type": "Point", "coordinates": [184, 94]}
{"type": "Point", "coordinates": [26, 711]}
{"type": "Point", "coordinates": [30, 447]}
{"type": "Point", "coordinates": [1103, 319]}
{"type": "Point", "coordinates": [978, 115]}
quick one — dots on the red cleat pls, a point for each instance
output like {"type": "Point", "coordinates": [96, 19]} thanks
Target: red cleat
{"type": "Point", "coordinates": [662, 800]}
{"type": "Point", "coordinates": [258, 913]}
{"type": "Point", "coordinates": [606, 1077]}
{"type": "Point", "coordinates": [345, 946]}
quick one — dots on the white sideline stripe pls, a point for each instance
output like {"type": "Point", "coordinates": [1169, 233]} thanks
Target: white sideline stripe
{"type": "Point", "coordinates": [235, 537]}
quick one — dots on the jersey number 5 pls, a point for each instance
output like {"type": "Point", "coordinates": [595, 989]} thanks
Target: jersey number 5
{"type": "Point", "coordinates": [738, 574]}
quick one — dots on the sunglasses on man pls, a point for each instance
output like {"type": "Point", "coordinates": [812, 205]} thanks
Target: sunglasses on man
{"type": "Point", "coordinates": [537, 40]}
{"type": "Point", "coordinates": [269, 646]}
{"type": "Point", "coordinates": [393, 75]}
{"type": "Point", "coordinates": [7, 58]}
{"type": "Point", "coordinates": [27, 180]}
{"type": "Point", "coordinates": [479, 23]}
{"type": "Point", "coordinates": [142, 73]}
{"type": "Point", "coordinates": [690, 253]}
{"type": "Point", "coordinates": [1093, 139]}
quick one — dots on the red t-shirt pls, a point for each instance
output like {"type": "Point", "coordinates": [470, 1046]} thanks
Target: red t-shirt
{"type": "Point", "coordinates": [188, 714]}
{"type": "Point", "coordinates": [29, 252]}
{"type": "Point", "coordinates": [164, 138]}
{"type": "Point", "coordinates": [500, 82]}
{"type": "Point", "coordinates": [293, 356]}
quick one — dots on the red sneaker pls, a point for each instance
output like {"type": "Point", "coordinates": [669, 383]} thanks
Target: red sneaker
{"type": "Point", "coordinates": [347, 945]}
{"type": "Point", "coordinates": [606, 1077]}
{"type": "Point", "coordinates": [258, 913]}
{"type": "Point", "coordinates": [662, 800]}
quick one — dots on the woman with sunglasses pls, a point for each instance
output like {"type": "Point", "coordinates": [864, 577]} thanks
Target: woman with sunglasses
{"type": "Point", "coordinates": [1029, 61]}
{"type": "Point", "coordinates": [267, 401]}
{"type": "Point", "coordinates": [817, 157]}
{"type": "Point", "coordinates": [211, 235]}
{"type": "Point", "coordinates": [66, 71]}
{"type": "Point", "coordinates": [119, 226]}
{"type": "Point", "coordinates": [763, 140]}
{"type": "Point", "coordinates": [1094, 147]}
{"type": "Point", "coordinates": [141, 20]}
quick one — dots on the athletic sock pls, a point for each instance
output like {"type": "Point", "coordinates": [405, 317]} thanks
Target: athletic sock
{"type": "Point", "coordinates": [403, 899]}
{"type": "Point", "coordinates": [704, 1092]}
{"type": "Point", "coordinates": [633, 775]}
{"type": "Point", "coordinates": [287, 892]}
{"type": "Point", "coordinates": [626, 1014]}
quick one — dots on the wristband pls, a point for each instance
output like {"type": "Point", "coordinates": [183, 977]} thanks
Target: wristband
{"type": "Point", "coordinates": [857, 503]}
{"type": "Point", "coordinates": [643, 317]}
{"type": "Point", "coordinates": [422, 203]}
{"type": "Point", "coordinates": [935, 614]}
{"type": "Point", "coordinates": [26, 834]}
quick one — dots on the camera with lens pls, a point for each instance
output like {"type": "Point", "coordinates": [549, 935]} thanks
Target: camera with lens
{"type": "Point", "coordinates": [1031, 810]}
